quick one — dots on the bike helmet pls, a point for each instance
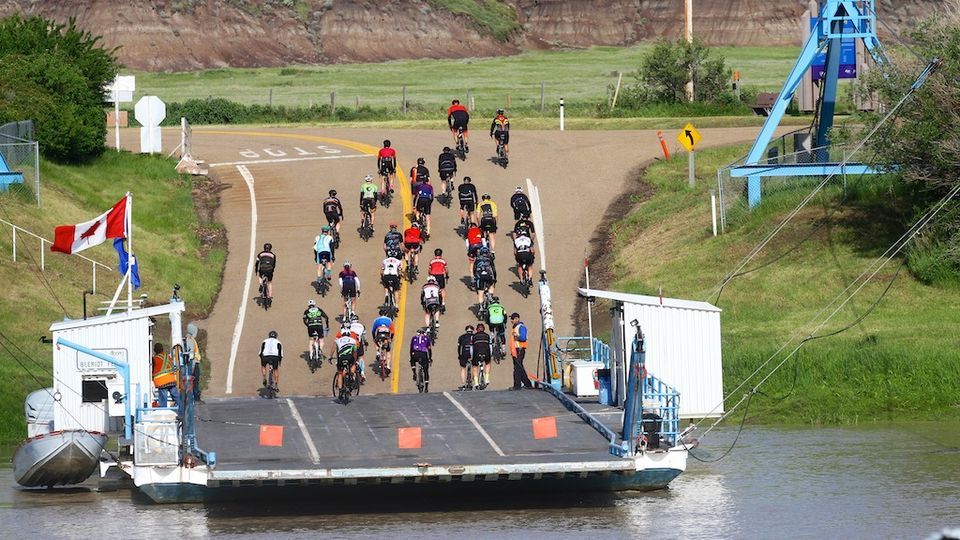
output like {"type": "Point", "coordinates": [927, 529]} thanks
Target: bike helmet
{"type": "Point", "coordinates": [345, 328]}
{"type": "Point", "coordinates": [437, 252]}
{"type": "Point", "coordinates": [455, 102]}
{"type": "Point", "coordinates": [354, 317]}
{"type": "Point", "coordinates": [519, 189]}
{"type": "Point", "coordinates": [446, 148]}
{"type": "Point", "coordinates": [499, 111]}
{"type": "Point", "coordinates": [268, 246]}
{"type": "Point", "coordinates": [273, 334]}
{"type": "Point", "coordinates": [346, 264]}
{"type": "Point", "coordinates": [431, 279]}
{"type": "Point", "coordinates": [416, 225]}
{"type": "Point", "coordinates": [486, 196]}
{"type": "Point", "coordinates": [311, 303]}
{"type": "Point", "coordinates": [480, 327]}
{"type": "Point", "coordinates": [333, 193]}
{"type": "Point", "coordinates": [469, 328]}
{"type": "Point", "coordinates": [386, 143]}
{"type": "Point", "coordinates": [420, 161]}
{"type": "Point", "coordinates": [495, 299]}
{"type": "Point", "coordinates": [466, 179]}
{"type": "Point", "coordinates": [393, 226]}
{"type": "Point", "coordinates": [421, 330]}
{"type": "Point", "coordinates": [368, 178]}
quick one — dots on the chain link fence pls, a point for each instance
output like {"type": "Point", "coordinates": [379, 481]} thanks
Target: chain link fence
{"type": "Point", "coordinates": [19, 159]}
{"type": "Point", "coordinates": [791, 148]}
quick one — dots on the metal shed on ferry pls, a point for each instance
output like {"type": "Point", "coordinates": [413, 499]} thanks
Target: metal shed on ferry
{"type": "Point", "coordinates": [682, 343]}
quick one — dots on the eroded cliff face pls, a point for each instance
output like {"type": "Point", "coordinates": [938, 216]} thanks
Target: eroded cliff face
{"type": "Point", "coordinates": [180, 35]}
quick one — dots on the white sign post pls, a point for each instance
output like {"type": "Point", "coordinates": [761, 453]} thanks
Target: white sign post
{"type": "Point", "coordinates": [150, 111]}
{"type": "Point", "coordinates": [121, 90]}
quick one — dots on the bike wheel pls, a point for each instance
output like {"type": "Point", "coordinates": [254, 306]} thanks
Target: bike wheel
{"type": "Point", "coordinates": [337, 384]}
{"type": "Point", "coordinates": [271, 392]}
{"type": "Point", "coordinates": [420, 378]}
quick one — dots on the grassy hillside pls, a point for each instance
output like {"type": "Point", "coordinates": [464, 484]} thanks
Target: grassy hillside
{"type": "Point", "coordinates": [166, 241]}
{"type": "Point", "coordinates": [899, 362]}
{"type": "Point", "coordinates": [492, 16]}
{"type": "Point", "coordinates": [581, 77]}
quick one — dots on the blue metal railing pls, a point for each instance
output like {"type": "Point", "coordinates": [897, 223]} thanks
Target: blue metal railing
{"type": "Point", "coordinates": [578, 348]}
{"type": "Point", "coordinates": [663, 400]}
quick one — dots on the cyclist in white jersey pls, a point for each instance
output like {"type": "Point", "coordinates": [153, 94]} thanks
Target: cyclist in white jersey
{"type": "Point", "coordinates": [359, 330]}
{"type": "Point", "coordinates": [390, 276]}
{"type": "Point", "coordinates": [523, 253]}
{"type": "Point", "coordinates": [430, 299]}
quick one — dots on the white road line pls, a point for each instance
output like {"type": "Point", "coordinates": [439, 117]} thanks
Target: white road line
{"type": "Point", "coordinates": [284, 160]}
{"type": "Point", "coordinates": [314, 455]}
{"type": "Point", "coordinates": [475, 424]}
{"type": "Point", "coordinates": [238, 329]}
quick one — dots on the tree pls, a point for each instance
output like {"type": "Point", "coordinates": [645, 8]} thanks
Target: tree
{"type": "Point", "coordinates": [923, 142]}
{"type": "Point", "coordinates": [665, 70]}
{"type": "Point", "coordinates": [64, 71]}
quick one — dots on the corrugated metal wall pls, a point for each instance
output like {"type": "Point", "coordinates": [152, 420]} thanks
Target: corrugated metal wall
{"type": "Point", "coordinates": [683, 350]}
{"type": "Point", "coordinates": [126, 340]}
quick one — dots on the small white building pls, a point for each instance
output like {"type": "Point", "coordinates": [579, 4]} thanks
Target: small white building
{"type": "Point", "coordinates": [83, 386]}
{"type": "Point", "coordinates": [682, 339]}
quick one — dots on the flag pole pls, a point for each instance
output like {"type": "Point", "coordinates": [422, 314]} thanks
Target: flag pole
{"type": "Point", "coordinates": [131, 260]}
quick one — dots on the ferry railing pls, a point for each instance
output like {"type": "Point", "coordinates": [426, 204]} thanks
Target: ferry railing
{"type": "Point", "coordinates": [652, 406]}
{"type": "Point", "coordinates": [19, 231]}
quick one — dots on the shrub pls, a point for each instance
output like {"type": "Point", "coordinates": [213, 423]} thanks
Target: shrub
{"type": "Point", "coordinates": [665, 69]}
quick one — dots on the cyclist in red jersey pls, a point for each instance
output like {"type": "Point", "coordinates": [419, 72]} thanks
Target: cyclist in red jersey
{"type": "Point", "coordinates": [413, 241]}
{"type": "Point", "coordinates": [474, 242]}
{"type": "Point", "coordinates": [438, 269]}
{"type": "Point", "coordinates": [387, 165]}
{"type": "Point", "coordinates": [458, 117]}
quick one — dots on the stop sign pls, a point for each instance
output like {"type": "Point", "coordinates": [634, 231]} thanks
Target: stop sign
{"type": "Point", "coordinates": [150, 111]}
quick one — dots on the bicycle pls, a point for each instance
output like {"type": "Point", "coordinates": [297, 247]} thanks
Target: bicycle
{"type": "Point", "coordinates": [379, 366]}
{"type": "Point", "coordinates": [479, 384]}
{"type": "Point", "coordinates": [336, 239]}
{"type": "Point", "coordinates": [316, 354]}
{"type": "Point", "coordinates": [448, 193]}
{"type": "Point", "coordinates": [366, 225]}
{"type": "Point", "coordinates": [422, 221]}
{"type": "Point", "coordinates": [264, 301]}
{"type": "Point", "coordinates": [497, 347]}
{"type": "Point", "coordinates": [410, 270]}
{"type": "Point", "coordinates": [461, 145]}
{"type": "Point", "coordinates": [485, 304]}
{"type": "Point", "coordinates": [270, 390]}
{"type": "Point", "coordinates": [345, 383]}
{"type": "Point", "coordinates": [526, 284]}
{"type": "Point", "coordinates": [502, 158]}
{"type": "Point", "coordinates": [322, 285]}
{"type": "Point", "coordinates": [433, 330]}
{"type": "Point", "coordinates": [390, 303]}
{"type": "Point", "coordinates": [387, 196]}
{"type": "Point", "coordinates": [421, 384]}
{"type": "Point", "coordinates": [348, 305]}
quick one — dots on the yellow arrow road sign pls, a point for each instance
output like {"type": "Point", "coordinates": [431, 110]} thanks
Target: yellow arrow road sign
{"type": "Point", "coordinates": [689, 137]}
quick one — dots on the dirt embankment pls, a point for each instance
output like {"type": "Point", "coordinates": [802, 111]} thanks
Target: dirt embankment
{"type": "Point", "coordinates": [182, 35]}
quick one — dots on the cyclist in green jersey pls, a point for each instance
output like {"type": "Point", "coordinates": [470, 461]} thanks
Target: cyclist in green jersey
{"type": "Point", "coordinates": [368, 198]}
{"type": "Point", "coordinates": [497, 317]}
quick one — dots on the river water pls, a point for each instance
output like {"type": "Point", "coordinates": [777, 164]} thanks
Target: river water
{"type": "Point", "coordinates": [877, 481]}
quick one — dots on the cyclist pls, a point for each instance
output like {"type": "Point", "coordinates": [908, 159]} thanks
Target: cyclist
{"type": "Point", "coordinates": [392, 242]}
{"type": "Point", "coordinates": [438, 270]}
{"type": "Point", "coordinates": [418, 174]}
{"type": "Point", "coordinates": [430, 300]}
{"type": "Point", "coordinates": [488, 219]}
{"type": "Point", "coordinates": [459, 117]}
{"type": "Point", "coordinates": [474, 242]}
{"type": "Point", "coordinates": [390, 276]}
{"type": "Point", "coordinates": [315, 319]}
{"type": "Point", "coordinates": [523, 253]}
{"type": "Point", "coordinates": [413, 242]}
{"type": "Point", "coordinates": [500, 130]}
{"type": "Point", "coordinates": [497, 318]}
{"type": "Point", "coordinates": [323, 253]}
{"type": "Point", "coordinates": [467, 193]}
{"type": "Point", "coordinates": [446, 167]}
{"type": "Point", "coordinates": [264, 267]}
{"type": "Point", "coordinates": [465, 355]}
{"type": "Point", "coordinates": [360, 331]}
{"type": "Point", "coordinates": [423, 200]}
{"type": "Point", "coordinates": [387, 165]}
{"type": "Point", "coordinates": [484, 273]}
{"type": "Point", "coordinates": [349, 286]}
{"type": "Point", "coordinates": [481, 355]}
{"type": "Point", "coordinates": [368, 198]}
{"type": "Point", "coordinates": [271, 352]}
{"type": "Point", "coordinates": [382, 330]}
{"type": "Point", "coordinates": [346, 343]}
{"type": "Point", "coordinates": [333, 210]}
{"type": "Point", "coordinates": [524, 227]}
{"type": "Point", "coordinates": [520, 204]}
{"type": "Point", "coordinates": [421, 351]}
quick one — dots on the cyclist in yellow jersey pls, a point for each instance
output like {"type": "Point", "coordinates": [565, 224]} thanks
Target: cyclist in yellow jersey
{"type": "Point", "coordinates": [368, 198]}
{"type": "Point", "coordinates": [487, 209]}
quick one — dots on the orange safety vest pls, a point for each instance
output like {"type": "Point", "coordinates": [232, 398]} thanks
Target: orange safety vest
{"type": "Point", "coordinates": [164, 371]}
{"type": "Point", "coordinates": [515, 342]}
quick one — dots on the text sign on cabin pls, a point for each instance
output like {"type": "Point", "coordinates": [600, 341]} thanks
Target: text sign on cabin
{"type": "Point", "coordinates": [89, 364]}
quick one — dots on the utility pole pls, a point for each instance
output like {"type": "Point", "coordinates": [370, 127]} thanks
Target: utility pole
{"type": "Point", "coordinates": [688, 33]}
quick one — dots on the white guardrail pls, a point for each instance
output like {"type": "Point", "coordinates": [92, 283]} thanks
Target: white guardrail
{"type": "Point", "coordinates": [43, 253]}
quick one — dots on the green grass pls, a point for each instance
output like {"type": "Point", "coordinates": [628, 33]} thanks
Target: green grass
{"type": "Point", "coordinates": [579, 76]}
{"type": "Point", "coordinates": [490, 16]}
{"type": "Point", "coordinates": [899, 362]}
{"type": "Point", "coordinates": [168, 250]}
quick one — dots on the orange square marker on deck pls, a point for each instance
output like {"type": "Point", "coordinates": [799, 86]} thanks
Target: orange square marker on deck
{"type": "Point", "coordinates": [409, 438]}
{"type": "Point", "coordinates": [545, 427]}
{"type": "Point", "coordinates": [271, 435]}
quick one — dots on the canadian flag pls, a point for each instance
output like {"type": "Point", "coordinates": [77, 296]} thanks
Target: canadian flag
{"type": "Point", "coordinates": [76, 238]}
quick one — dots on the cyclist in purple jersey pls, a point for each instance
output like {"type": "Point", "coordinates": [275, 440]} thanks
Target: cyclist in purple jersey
{"type": "Point", "coordinates": [423, 199]}
{"type": "Point", "coordinates": [421, 351]}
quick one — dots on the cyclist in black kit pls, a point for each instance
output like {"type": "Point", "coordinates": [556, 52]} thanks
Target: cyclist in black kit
{"type": "Point", "coordinates": [467, 193]}
{"type": "Point", "coordinates": [333, 210]}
